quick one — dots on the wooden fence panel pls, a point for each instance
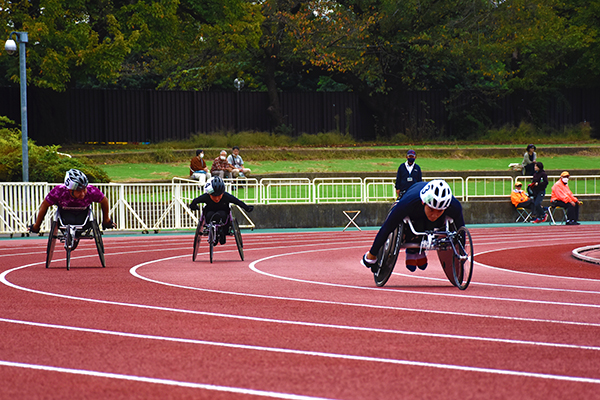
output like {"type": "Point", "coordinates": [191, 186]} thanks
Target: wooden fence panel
{"type": "Point", "coordinates": [89, 115]}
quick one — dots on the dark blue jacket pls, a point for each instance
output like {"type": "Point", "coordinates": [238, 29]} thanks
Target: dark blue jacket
{"type": "Point", "coordinates": [404, 180]}
{"type": "Point", "coordinates": [410, 205]}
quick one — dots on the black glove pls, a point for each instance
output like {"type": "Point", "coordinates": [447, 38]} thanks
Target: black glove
{"type": "Point", "coordinates": [194, 207]}
{"type": "Point", "coordinates": [32, 230]}
{"type": "Point", "coordinates": [109, 225]}
{"type": "Point", "coordinates": [250, 208]}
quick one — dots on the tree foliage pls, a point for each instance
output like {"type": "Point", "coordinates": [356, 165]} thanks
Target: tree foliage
{"type": "Point", "coordinates": [476, 49]}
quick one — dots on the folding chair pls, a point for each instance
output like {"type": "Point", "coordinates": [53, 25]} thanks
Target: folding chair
{"type": "Point", "coordinates": [552, 210]}
{"type": "Point", "coordinates": [523, 214]}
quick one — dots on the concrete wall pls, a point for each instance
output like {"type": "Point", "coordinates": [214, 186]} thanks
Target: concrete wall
{"type": "Point", "coordinates": [373, 214]}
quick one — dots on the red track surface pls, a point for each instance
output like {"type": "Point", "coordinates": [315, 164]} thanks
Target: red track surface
{"type": "Point", "coordinates": [300, 318]}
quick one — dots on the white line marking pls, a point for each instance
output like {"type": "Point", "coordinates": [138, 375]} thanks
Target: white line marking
{"type": "Point", "coordinates": [252, 266]}
{"type": "Point", "coordinates": [158, 381]}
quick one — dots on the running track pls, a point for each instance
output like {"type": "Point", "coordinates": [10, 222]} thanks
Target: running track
{"type": "Point", "coordinates": [299, 319]}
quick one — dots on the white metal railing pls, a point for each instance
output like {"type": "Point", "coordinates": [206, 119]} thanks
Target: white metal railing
{"type": "Point", "coordinates": [338, 190]}
{"type": "Point", "coordinates": [488, 186]}
{"type": "Point", "coordinates": [162, 206]}
{"type": "Point", "coordinates": [383, 189]}
{"type": "Point", "coordinates": [281, 191]}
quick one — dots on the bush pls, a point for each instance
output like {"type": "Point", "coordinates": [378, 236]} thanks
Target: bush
{"type": "Point", "coordinates": [46, 164]}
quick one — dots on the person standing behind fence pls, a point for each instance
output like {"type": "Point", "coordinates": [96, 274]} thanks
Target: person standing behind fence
{"type": "Point", "coordinates": [408, 174]}
{"type": "Point", "coordinates": [538, 188]}
{"type": "Point", "coordinates": [236, 160]}
{"type": "Point", "coordinates": [199, 169]}
{"type": "Point", "coordinates": [529, 160]}
{"type": "Point", "coordinates": [562, 196]}
{"type": "Point", "coordinates": [221, 166]}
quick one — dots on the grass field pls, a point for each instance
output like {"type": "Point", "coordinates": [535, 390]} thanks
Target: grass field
{"type": "Point", "coordinates": [146, 171]}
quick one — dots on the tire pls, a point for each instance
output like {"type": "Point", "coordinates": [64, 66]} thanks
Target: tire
{"type": "Point", "coordinates": [198, 238]}
{"type": "Point", "coordinates": [238, 237]}
{"type": "Point", "coordinates": [68, 246]}
{"type": "Point", "coordinates": [462, 262]}
{"type": "Point", "coordinates": [99, 243]}
{"type": "Point", "coordinates": [212, 237]}
{"type": "Point", "coordinates": [387, 257]}
{"type": "Point", "coordinates": [52, 239]}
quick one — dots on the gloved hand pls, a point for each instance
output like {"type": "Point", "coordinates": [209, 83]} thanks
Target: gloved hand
{"type": "Point", "coordinates": [194, 207]}
{"type": "Point", "coordinates": [31, 229]}
{"type": "Point", "coordinates": [109, 225]}
{"type": "Point", "coordinates": [250, 208]}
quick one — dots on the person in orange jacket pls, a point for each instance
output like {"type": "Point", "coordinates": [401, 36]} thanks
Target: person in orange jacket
{"type": "Point", "coordinates": [519, 198]}
{"type": "Point", "coordinates": [563, 197]}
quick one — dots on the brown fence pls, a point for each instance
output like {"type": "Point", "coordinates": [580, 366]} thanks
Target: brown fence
{"type": "Point", "coordinates": [88, 115]}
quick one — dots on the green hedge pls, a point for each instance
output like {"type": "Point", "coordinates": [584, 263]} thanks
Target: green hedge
{"type": "Point", "coordinates": [46, 164]}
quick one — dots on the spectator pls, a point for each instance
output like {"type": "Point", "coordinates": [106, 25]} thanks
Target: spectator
{"type": "Point", "coordinates": [199, 169]}
{"type": "Point", "coordinates": [408, 174]}
{"type": "Point", "coordinates": [221, 167]}
{"type": "Point", "coordinates": [529, 160]}
{"type": "Point", "coordinates": [562, 196]}
{"type": "Point", "coordinates": [238, 164]}
{"type": "Point", "coordinates": [538, 191]}
{"type": "Point", "coordinates": [519, 198]}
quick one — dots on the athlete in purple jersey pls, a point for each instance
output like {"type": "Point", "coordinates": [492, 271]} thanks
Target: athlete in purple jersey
{"type": "Point", "coordinates": [73, 198]}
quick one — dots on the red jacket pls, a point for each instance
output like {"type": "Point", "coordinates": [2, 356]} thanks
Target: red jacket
{"type": "Point", "coordinates": [561, 192]}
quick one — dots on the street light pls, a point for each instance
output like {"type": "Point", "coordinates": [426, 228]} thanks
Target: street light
{"type": "Point", "coordinates": [10, 46]}
{"type": "Point", "coordinates": [239, 84]}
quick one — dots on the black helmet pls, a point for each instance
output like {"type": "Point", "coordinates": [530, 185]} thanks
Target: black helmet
{"type": "Point", "coordinates": [75, 180]}
{"type": "Point", "coordinates": [215, 186]}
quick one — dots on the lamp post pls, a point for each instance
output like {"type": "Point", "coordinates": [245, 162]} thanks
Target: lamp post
{"type": "Point", "coordinates": [239, 84]}
{"type": "Point", "coordinates": [10, 47]}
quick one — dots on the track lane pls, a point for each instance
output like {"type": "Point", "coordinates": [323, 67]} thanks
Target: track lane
{"type": "Point", "coordinates": [410, 348]}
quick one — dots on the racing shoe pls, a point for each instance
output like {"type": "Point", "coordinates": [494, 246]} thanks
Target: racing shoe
{"type": "Point", "coordinates": [414, 260]}
{"type": "Point", "coordinates": [369, 263]}
{"type": "Point", "coordinates": [545, 218]}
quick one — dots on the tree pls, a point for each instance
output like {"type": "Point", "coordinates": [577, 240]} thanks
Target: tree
{"type": "Point", "coordinates": [63, 46]}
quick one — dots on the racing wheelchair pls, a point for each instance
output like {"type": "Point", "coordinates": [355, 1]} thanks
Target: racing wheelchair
{"type": "Point", "coordinates": [454, 248]}
{"type": "Point", "coordinates": [213, 230]}
{"type": "Point", "coordinates": [69, 228]}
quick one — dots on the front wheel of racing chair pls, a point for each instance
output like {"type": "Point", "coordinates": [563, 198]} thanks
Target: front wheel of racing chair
{"type": "Point", "coordinates": [462, 262]}
{"type": "Point", "coordinates": [198, 237]}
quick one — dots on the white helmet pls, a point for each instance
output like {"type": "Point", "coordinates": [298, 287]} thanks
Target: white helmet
{"type": "Point", "coordinates": [436, 194]}
{"type": "Point", "coordinates": [75, 180]}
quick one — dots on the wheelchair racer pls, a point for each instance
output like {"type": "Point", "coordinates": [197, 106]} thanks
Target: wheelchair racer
{"type": "Point", "coordinates": [425, 203]}
{"type": "Point", "coordinates": [217, 202]}
{"type": "Point", "coordinates": [73, 198]}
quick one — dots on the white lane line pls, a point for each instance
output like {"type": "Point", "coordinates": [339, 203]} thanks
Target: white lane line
{"type": "Point", "coordinates": [461, 295]}
{"type": "Point", "coordinates": [296, 323]}
{"type": "Point", "coordinates": [292, 351]}
{"type": "Point", "coordinates": [295, 396]}
{"type": "Point", "coordinates": [168, 382]}
{"type": "Point", "coordinates": [133, 270]}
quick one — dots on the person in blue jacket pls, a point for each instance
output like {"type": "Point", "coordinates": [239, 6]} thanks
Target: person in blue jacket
{"type": "Point", "coordinates": [408, 174]}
